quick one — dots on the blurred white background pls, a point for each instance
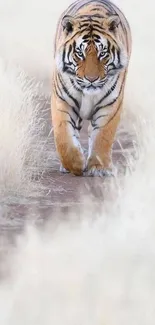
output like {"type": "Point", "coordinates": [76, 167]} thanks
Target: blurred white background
{"type": "Point", "coordinates": [99, 273]}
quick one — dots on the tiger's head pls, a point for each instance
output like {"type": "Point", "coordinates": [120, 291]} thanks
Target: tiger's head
{"type": "Point", "coordinates": [90, 50]}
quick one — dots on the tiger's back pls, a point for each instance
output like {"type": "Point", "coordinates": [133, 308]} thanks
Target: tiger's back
{"type": "Point", "coordinates": [102, 7]}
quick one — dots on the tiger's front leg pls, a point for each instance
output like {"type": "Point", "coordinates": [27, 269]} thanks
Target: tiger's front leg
{"type": "Point", "coordinates": [66, 137]}
{"type": "Point", "coordinates": [101, 138]}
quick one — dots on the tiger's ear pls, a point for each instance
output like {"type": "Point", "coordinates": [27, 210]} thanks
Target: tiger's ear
{"type": "Point", "coordinates": [113, 22]}
{"type": "Point", "coordinates": [68, 23]}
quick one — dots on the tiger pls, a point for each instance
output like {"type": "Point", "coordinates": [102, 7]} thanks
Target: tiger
{"type": "Point", "coordinates": [92, 51]}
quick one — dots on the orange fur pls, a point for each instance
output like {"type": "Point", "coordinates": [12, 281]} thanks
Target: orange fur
{"type": "Point", "coordinates": [71, 157]}
{"type": "Point", "coordinates": [91, 67]}
{"type": "Point", "coordinates": [101, 153]}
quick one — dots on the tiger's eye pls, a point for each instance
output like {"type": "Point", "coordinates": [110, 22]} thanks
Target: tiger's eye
{"type": "Point", "coordinates": [80, 53]}
{"type": "Point", "coordinates": [103, 53]}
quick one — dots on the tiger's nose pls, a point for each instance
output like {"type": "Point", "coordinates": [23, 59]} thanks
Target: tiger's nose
{"type": "Point", "coordinates": [91, 78]}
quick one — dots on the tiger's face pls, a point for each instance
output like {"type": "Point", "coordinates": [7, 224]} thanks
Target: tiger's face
{"type": "Point", "coordinates": [91, 54]}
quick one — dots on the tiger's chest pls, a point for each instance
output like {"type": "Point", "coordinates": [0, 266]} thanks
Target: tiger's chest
{"type": "Point", "coordinates": [88, 103]}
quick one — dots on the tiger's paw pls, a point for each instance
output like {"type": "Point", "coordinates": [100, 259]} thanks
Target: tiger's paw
{"type": "Point", "coordinates": [73, 161]}
{"type": "Point", "coordinates": [99, 171]}
{"type": "Point", "coordinates": [63, 170]}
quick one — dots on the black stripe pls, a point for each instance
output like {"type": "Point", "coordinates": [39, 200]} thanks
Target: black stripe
{"type": "Point", "coordinates": [91, 17]}
{"type": "Point", "coordinates": [68, 114]}
{"type": "Point", "coordinates": [58, 94]}
{"type": "Point", "coordinates": [69, 71]}
{"type": "Point", "coordinates": [118, 56]}
{"type": "Point", "coordinates": [84, 25]}
{"type": "Point", "coordinates": [103, 115]}
{"type": "Point", "coordinates": [74, 126]}
{"type": "Point", "coordinates": [98, 30]}
{"type": "Point", "coordinates": [97, 8]}
{"type": "Point", "coordinates": [113, 116]}
{"type": "Point", "coordinates": [72, 122]}
{"type": "Point", "coordinates": [63, 58]}
{"type": "Point", "coordinates": [108, 50]}
{"type": "Point", "coordinates": [58, 90]}
{"type": "Point", "coordinates": [77, 33]}
{"type": "Point", "coordinates": [67, 92]}
{"type": "Point", "coordinates": [97, 41]}
{"type": "Point", "coordinates": [98, 26]}
{"type": "Point", "coordinates": [75, 111]}
{"type": "Point", "coordinates": [86, 41]}
{"type": "Point", "coordinates": [69, 51]}
{"type": "Point", "coordinates": [69, 64]}
{"type": "Point", "coordinates": [63, 55]}
{"type": "Point", "coordinates": [85, 37]}
{"type": "Point", "coordinates": [84, 30]}
{"type": "Point", "coordinates": [115, 113]}
{"type": "Point", "coordinates": [65, 68]}
{"type": "Point", "coordinates": [96, 110]}
{"type": "Point", "coordinates": [108, 92]}
{"type": "Point", "coordinates": [74, 46]}
{"type": "Point", "coordinates": [113, 50]}
{"type": "Point", "coordinates": [96, 128]}
{"type": "Point", "coordinates": [79, 127]}
{"type": "Point", "coordinates": [115, 42]}
{"type": "Point", "coordinates": [112, 102]}
{"type": "Point", "coordinates": [74, 85]}
{"type": "Point", "coordinates": [93, 29]}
